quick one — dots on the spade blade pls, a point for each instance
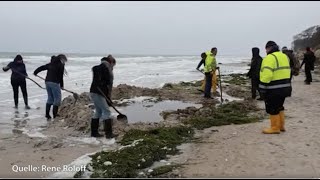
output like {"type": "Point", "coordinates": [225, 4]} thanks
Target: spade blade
{"type": "Point", "coordinates": [122, 117]}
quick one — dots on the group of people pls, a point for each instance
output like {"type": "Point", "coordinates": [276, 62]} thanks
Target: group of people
{"type": "Point", "coordinates": [272, 76]}
{"type": "Point", "coordinates": [54, 81]}
{"type": "Point", "coordinates": [100, 90]}
{"type": "Point", "coordinates": [255, 67]}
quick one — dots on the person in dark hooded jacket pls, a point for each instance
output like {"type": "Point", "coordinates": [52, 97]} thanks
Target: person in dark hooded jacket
{"type": "Point", "coordinates": [54, 84]}
{"type": "Point", "coordinates": [308, 60]}
{"type": "Point", "coordinates": [101, 87]}
{"type": "Point", "coordinates": [18, 79]}
{"type": "Point", "coordinates": [255, 71]}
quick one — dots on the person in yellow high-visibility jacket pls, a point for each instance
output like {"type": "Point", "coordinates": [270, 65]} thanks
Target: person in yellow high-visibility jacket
{"type": "Point", "coordinates": [214, 77]}
{"type": "Point", "coordinates": [275, 86]}
{"type": "Point", "coordinates": [209, 71]}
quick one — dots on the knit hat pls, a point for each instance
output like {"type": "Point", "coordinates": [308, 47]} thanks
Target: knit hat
{"type": "Point", "coordinates": [284, 48]}
{"type": "Point", "coordinates": [270, 43]}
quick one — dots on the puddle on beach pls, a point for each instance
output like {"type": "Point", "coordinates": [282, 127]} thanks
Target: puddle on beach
{"type": "Point", "coordinates": [20, 120]}
{"type": "Point", "coordinates": [148, 111]}
{"type": "Point", "coordinates": [226, 98]}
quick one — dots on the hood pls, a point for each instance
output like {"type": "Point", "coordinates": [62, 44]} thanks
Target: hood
{"type": "Point", "coordinates": [255, 52]}
{"type": "Point", "coordinates": [17, 59]}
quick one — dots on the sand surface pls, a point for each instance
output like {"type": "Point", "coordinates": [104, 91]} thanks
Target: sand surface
{"type": "Point", "coordinates": [242, 151]}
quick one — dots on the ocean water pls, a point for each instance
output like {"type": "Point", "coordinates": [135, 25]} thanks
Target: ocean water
{"type": "Point", "coordinates": [144, 71]}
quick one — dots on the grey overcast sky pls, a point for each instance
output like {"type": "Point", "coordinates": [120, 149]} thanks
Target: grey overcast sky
{"type": "Point", "coordinates": [151, 27]}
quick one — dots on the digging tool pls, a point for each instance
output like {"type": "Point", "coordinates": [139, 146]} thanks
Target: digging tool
{"type": "Point", "coordinates": [27, 78]}
{"type": "Point", "coordinates": [120, 117]}
{"type": "Point", "coordinates": [75, 95]}
{"type": "Point", "coordinates": [220, 86]}
{"type": "Point", "coordinates": [200, 71]}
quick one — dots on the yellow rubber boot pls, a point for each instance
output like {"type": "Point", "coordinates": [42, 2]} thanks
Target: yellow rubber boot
{"type": "Point", "coordinates": [275, 124]}
{"type": "Point", "coordinates": [282, 121]}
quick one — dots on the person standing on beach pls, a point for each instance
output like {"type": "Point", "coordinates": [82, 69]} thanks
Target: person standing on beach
{"type": "Point", "coordinates": [209, 71]}
{"type": "Point", "coordinates": [275, 86]}
{"type": "Point", "coordinates": [202, 61]}
{"type": "Point", "coordinates": [101, 88]}
{"type": "Point", "coordinates": [18, 79]}
{"type": "Point", "coordinates": [308, 60]}
{"type": "Point", "coordinates": [54, 84]}
{"type": "Point", "coordinates": [294, 63]}
{"type": "Point", "coordinates": [255, 71]}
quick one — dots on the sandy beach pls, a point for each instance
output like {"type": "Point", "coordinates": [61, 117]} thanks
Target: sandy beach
{"type": "Point", "coordinates": [242, 151]}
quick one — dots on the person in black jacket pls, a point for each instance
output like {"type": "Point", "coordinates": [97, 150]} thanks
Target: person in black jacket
{"type": "Point", "coordinates": [202, 61]}
{"type": "Point", "coordinates": [101, 88]}
{"type": "Point", "coordinates": [308, 60]}
{"type": "Point", "coordinates": [54, 84]}
{"type": "Point", "coordinates": [18, 79]}
{"type": "Point", "coordinates": [255, 71]}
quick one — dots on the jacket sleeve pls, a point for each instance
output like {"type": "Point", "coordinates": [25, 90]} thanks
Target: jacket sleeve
{"type": "Point", "coordinates": [6, 68]}
{"type": "Point", "coordinates": [267, 67]}
{"type": "Point", "coordinates": [200, 63]}
{"type": "Point", "coordinates": [252, 66]}
{"type": "Point", "coordinates": [107, 77]}
{"type": "Point", "coordinates": [41, 68]}
{"type": "Point", "coordinates": [61, 73]}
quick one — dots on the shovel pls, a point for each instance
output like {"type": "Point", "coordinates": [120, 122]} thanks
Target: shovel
{"type": "Point", "coordinates": [75, 95]}
{"type": "Point", "coordinates": [220, 86]}
{"type": "Point", "coordinates": [200, 71]}
{"type": "Point", "coordinates": [120, 117]}
{"type": "Point", "coordinates": [27, 78]}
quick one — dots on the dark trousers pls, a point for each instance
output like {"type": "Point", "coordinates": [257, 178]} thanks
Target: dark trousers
{"type": "Point", "coordinates": [274, 104]}
{"type": "Point", "coordinates": [207, 91]}
{"type": "Point", "coordinates": [254, 87]}
{"type": "Point", "coordinates": [15, 86]}
{"type": "Point", "coordinates": [308, 74]}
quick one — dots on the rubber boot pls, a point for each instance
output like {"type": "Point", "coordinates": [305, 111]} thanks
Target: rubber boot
{"type": "Point", "coordinates": [95, 128]}
{"type": "Point", "coordinates": [275, 125]}
{"type": "Point", "coordinates": [108, 129]}
{"type": "Point", "coordinates": [48, 107]}
{"type": "Point", "coordinates": [55, 111]}
{"type": "Point", "coordinates": [282, 121]}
